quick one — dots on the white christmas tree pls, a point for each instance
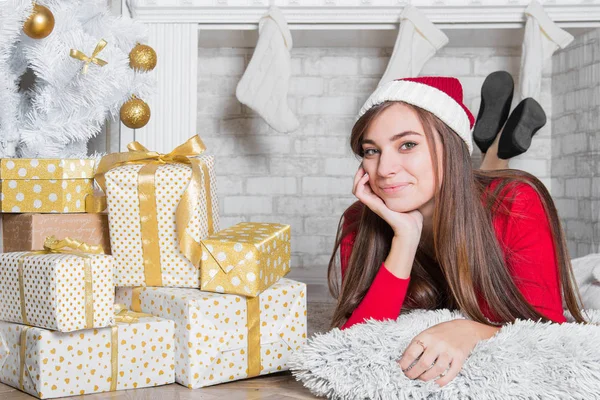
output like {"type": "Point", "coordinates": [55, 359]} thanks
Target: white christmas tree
{"type": "Point", "coordinates": [81, 76]}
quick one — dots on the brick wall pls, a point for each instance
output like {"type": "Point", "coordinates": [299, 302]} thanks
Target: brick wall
{"type": "Point", "coordinates": [575, 166]}
{"type": "Point", "coordinates": [304, 178]}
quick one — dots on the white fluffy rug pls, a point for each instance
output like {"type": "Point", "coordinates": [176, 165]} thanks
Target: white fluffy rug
{"type": "Point", "coordinates": [524, 360]}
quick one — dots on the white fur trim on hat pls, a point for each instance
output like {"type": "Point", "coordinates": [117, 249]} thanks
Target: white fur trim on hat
{"type": "Point", "coordinates": [428, 98]}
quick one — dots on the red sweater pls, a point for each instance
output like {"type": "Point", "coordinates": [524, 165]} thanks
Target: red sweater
{"type": "Point", "coordinates": [526, 240]}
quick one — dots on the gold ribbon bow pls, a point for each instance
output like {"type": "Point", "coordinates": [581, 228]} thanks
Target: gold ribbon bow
{"type": "Point", "coordinates": [65, 246]}
{"type": "Point", "coordinates": [93, 59]}
{"type": "Point", "coordinates": [138, 154]}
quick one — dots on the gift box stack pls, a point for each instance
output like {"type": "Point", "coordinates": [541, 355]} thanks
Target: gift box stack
{"type": "Point", "coordinates": [193, 304]}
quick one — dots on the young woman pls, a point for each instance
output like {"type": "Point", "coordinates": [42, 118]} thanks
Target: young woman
{"type": "Point", "coordinates": [430, 232]}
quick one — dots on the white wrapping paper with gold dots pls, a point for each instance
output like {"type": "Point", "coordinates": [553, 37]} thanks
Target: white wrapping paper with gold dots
{"type": "Point", "coordinates": [245, 259]}
{"type": "Point", "coordinates": [126, 234]}
{"type": "Point", "coordinates": [45, 185]}
{"type": "Point", "coordinates": [59, 364]}
{"type": "Point", "coordinates": [54, 291]}
{"type": "Point", "coordinates": [211, 333]}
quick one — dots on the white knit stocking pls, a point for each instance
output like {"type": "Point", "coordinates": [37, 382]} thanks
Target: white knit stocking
{"type": "Point", "coordinates": [264, 85]}
{"type": "Point", "coordinates": [418, 41]}
{"type": "Point", "coordinates": [542, 38]}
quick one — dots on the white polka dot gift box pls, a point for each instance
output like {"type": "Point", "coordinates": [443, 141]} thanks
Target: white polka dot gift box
{"type": "Point", "coordinates": [159, 208]}
{"type": "Point", "coordinates": [245, 259]}
{"type": "Point", "coordinates": [45, 185]}
{"type": "Point", "coordinates": [50, 364]}
{"type": "Point", "coordinates": [57, 289]}
{"type": "Point", "coordinates": [224, 337]}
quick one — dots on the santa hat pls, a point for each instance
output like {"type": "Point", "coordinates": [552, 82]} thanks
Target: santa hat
{"type": "Point", "coordinates": [442, 96]}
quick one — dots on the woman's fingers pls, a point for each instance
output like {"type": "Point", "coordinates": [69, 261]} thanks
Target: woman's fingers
{"type": "Point", "coordinates": [455, 368]}
{"type": "Point", "coordinates": [410, 355]}
{"type": "Point", "coordinates": [440, 367]}
{"type": "Point", "coordinates": [359, 174]}
{"type": "Point", "coordinates": [423, 364]}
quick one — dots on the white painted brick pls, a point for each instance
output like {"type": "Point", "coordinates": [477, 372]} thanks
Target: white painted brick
{"type": "Point", "coordinates": [312, 244]}
{"type": "Point", "coordinates": [583, 249]}
{"type": "Point", "coordinates": [352, 85]}
{"type": "Point", "coordinates": [296, 66]}
{"type": "Point", "coordinates": [271, 185]}
{"type": "Point", "coordinates": [540, 147]}
{"type": "Point", "coordinates": [328, 106]}
{"type": "Point", "coordinates": [572, 246]}
{"type": "Point", "coordinates": [373, 65]}
{"type": "Point", "coordinates": [321, 225]}
{"type": "Point", "coordinates": [250, 145]}
{"type": "Point", "coordinates": [538, 168]}
{"type": "Point", "coordinates": [585, 209]}
{"type": "Point", "coordinates": [487, 65]}
{"type": "Point", "coordinates": [248, 165]}
{"type": "Point", "coordinates": [558, 187]}
{"type": "Point", "coordinates": [229, 184]}
{"type": "Point", "coordinates": [340, 204]}
{"type": "Point", "coordinates": [227, 222]}
{"type": "Point", "coordinates": [296, 166]}
{"type": "Point", "coordinates": [209, 85]}
{"type": "Point", "coordinates": [567, 208]}
{"type": "Point", "coordinates": [247, 205]}
{"type": "Point", "coordinates": [221, 65]}
{"type": "Point", "coordinates": [447, 66]}
{"type": "Point", "coordinates": [564, 166]}
{"type": "Point", "coordinates": [326, 66]}
{"type": "Point", "coordinates": [326, 186]}
{"type": "Point", "coordinates": [311, 146]}
{"type": "Point", "coordinates": [244, 126]}
{"type": "Point", "coordinates": [579, 230]}
{"type": "Point", "coordinates": [305, 205]}
{"type": "Point", "coordinates": [578, 187]}
{"type": "Point", "coordinates": [306, 86]}
{"type": "Point", "coordinates": [574, 143]}
{"type": "Point", "coordinates": [218, 107]}
{"type": "Point", "coordinates": [342, 166]}
{"type": "Point", "coordinates": [596, 193]}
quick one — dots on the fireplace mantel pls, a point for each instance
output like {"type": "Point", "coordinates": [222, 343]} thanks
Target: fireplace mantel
{"type": "Point", "coordinates": [361, 14]}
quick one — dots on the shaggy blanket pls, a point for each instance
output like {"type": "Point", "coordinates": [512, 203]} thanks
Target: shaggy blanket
{"type": "Point", "coordinates": [524, 360]}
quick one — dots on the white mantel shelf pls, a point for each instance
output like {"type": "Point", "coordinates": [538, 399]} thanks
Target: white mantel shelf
{"type": "Point", "coordinates": [361, 14]}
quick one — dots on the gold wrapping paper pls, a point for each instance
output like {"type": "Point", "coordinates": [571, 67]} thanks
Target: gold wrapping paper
{"type": "Point", "coordinates": [45, 185]}
{"type": "Point", "coordinates": [245, 259]}
{"type": "Point", "coordinates": [221, 337]}
{"type": "Point", "coordinates": [57, 288]}
{"type": "Point", "coordinates": [171, 198]}
{"type": "Point", "coordinates": [50, 364]}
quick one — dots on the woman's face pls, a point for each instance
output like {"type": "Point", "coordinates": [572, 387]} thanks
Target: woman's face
{"type": "Point", "coordinates": [398, 160]}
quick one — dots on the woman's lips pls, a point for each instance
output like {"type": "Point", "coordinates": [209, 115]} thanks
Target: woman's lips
{"type": "Point", "coordinates": [395, 189]}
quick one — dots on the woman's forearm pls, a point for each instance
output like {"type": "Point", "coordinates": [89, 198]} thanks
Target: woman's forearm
{"type": "Point", "coordinates": [401, 257]}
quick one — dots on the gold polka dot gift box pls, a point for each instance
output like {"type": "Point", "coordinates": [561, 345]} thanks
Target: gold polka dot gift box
{"type": "Point", "coordinates": [45, 185]}
{"type": "Point", "coordinates": [57, 288]}
{"type": "Point", "coordinates": [224, 337]}
{"type": "Point", "coordinates": [159, 208]}
{"type": "Point", "coordinates": [245, 259]}
{"type": "Point", "coordinates": [133, 354]}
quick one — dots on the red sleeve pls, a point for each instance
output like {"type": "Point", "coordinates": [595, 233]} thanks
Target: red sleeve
{"type": "Point", "coordinates": [386, 294]}
{"type": "Point", "coordinates": [526, 237]}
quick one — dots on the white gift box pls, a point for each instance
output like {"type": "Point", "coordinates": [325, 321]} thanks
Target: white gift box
{"type": "Point", "coordinates": [49, 364]}
{"type": "Point", "coordinates": [224, 337]}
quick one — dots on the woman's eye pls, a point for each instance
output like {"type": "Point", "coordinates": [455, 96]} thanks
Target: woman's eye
{"type": "Point", "coordinates": [409, 144]}
{"type": "Point", "coordinates": [369, 152]}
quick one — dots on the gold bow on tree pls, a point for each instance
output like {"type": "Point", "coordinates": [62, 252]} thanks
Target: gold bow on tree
{"type": "Point", "coordinates": [93, 59]}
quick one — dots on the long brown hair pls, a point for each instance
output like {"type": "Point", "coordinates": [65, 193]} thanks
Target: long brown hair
{"type": "Point", "coordinates": [468, 264]}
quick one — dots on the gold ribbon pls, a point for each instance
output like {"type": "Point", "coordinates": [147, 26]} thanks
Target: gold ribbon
{"type": "Point", "coordinates": [65, 246]}
{"type": "Point", "coordinates": [22, 355]}
{"type": "Point", "coordinates": [114, 357]}
{"type": "Point", "coordinates": [184, 154]}
{"type": "Point", "coordinates": [93, 59]}
{"type": "Point", "coordinates": [136, 304]}
{"type": "Point", "coordinates": [122, 314]}
{"type": "Point", "coordinates": [253, 311]}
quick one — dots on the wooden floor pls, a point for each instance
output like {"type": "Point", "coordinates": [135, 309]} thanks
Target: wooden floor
{"type": "Point", "coordinates": [271, 387]}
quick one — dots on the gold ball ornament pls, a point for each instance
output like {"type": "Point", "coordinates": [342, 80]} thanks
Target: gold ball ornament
{"type": "Point", "coordinates": [135, 113]}
{"type": "Point", "coordinates": [40, 23]}
{"type": "Point", "coordinates": [142, 57]}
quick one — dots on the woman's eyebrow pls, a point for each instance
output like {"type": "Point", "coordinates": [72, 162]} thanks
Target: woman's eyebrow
{"type": "Point", "coordinates": [393, 138]}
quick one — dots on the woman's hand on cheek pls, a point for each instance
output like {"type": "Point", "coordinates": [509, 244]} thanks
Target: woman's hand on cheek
{"type": "Point", "coordinates": [405, 224]}
{"type": "Point", "coordinates": [440, 351]}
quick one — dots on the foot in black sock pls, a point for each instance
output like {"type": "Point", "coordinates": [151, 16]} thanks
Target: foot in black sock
{"type": "Point", "coordinates": [496, 97]}
{"type": "Point", "coordinates": [526, 119]}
